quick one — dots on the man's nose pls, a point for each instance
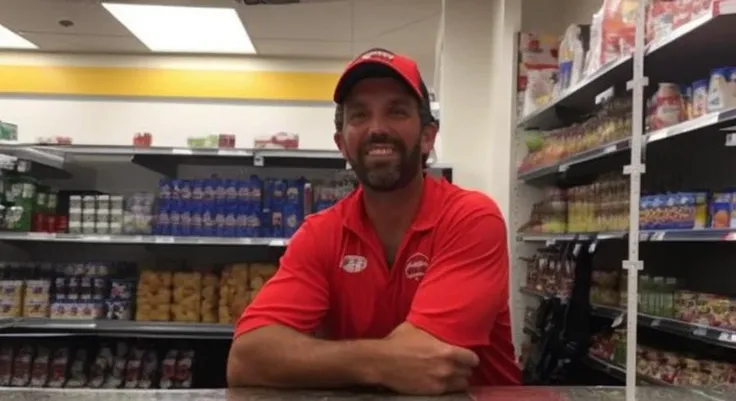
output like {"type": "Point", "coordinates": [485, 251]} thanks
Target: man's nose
{"type": "Point", "coordinates": [378, 124]}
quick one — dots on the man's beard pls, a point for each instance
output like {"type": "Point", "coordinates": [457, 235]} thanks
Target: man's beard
{"type": "Point", "coordinates": [388, 176]}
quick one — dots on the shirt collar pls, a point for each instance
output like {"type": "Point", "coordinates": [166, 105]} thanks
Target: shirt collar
{"type": "Point", "coordinates": [355, 218]}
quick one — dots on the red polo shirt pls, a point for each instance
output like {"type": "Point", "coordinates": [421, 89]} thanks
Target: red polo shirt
{"type": "Point", "coordinates": [450, 278]}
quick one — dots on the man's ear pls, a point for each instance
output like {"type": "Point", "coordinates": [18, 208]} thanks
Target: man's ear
{"type": "Point", "coordinates": [339, 139]}
{"type": "Point", "coordinates": [429, 134]}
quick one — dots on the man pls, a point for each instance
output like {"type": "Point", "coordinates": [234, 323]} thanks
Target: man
{"type": "Point", "coordinates": [407, 276]}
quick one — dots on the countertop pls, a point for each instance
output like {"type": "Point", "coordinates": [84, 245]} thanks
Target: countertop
{"type": "Point", "coordinates": [478, 394]}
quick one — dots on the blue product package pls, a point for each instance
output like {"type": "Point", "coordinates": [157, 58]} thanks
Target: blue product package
{"type": "Point", "coordinates": [220, 220]}
{"type": "Point", "coordinates": [265, 223]}
{"type": "Point", "coordinates": [231, 192]}
{"type": "Point", "coordinates": [185, 220]}
{"type": "Point", "coordinates": [195, 228]}
{"type": "Point", "coordinates": [277, 222]}
{"type": "Point", "coordinates": [163, 225]}
{"type": "Point", "coordinates": [231, 213]}
{"type": "Point", "coordinates": [243, 188]}
{"type": "Point", "coordinates": [256, 191]}
{"type": "Point", "coordinates": [220, 191]}
{"type": "Point", "coordinates": [268, 193]}
{"type": "Point", "coordinates": [208, 221]}
{"type": "Point", "coordinates": [292, 219]}
{"type": "Point", "coordinates": [175, 189]}
{"type": "Point", "coordinates": [185, 190]}
{"type": "Point", "coordinates": [164, 188]}
{"type": "Point", "coordinates": [241, 221]}
{"type": "Point", "coordinates": [175, 220]}
{"type": "Point", "coordinates": [209, 189]}
{"type": "Point", "coordinates": [278, 196]}
{"type": "Point", "coordinates": [197, 190]}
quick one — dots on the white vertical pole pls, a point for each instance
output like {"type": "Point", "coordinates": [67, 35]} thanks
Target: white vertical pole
{"type": "Point", "coordinates": [635, 170]}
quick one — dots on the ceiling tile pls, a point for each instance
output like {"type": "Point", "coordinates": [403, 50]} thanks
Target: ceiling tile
{"type": "Point", "coordinates": [373, 18]}
{"type": "Point", "coordinates": [43, 16]}
{"type": "Point", "coordinates": [303, 48]}
{"type": "Point", "coordinates": [317, 21]}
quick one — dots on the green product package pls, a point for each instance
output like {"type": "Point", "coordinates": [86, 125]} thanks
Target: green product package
{"type": "Point", "coordinates": [8, 131]}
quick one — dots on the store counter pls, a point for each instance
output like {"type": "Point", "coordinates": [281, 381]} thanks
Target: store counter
{"type": "Point", "coordinates": [479, 394]}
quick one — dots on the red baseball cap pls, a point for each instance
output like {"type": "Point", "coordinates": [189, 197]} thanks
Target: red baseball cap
{"type": "Point", "coordinates": [380, 63]}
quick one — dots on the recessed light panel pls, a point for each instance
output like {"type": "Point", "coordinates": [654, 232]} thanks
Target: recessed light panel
{"type": "Point", "coordinates": [184, 29]}
{"type": "Point", "coordinates": [11, 40]}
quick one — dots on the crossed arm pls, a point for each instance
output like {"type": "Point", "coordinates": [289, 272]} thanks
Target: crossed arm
{"type": "Point", "coordinates": [453, 310]}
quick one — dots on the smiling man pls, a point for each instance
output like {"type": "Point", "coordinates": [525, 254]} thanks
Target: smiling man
{"type": "Point", "coordinates": [407, 278]}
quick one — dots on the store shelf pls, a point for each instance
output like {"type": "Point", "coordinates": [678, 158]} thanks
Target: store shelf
{"type": "Point", "coordinates": [141, 239]}
{"type": "Point", "coordinates": [700, 235]}
{"type": "Point", "coordinates": [116, 328]}
{"type": "Point", "coordinates": [711, 31]}
{"type": "Point", "coordinates": [711, 121]}
{"type": "Point", "coordinates": [712, 335]}
{"type": "Point", "coordinates": [43, 164]}
{"type": "Point", "coordinates": [619, 372]}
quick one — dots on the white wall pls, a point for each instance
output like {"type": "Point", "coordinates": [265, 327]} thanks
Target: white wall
{"type": "Point", "coordinates": [553, 16]}
{"type": "Point", "coordinates": [115, 121]}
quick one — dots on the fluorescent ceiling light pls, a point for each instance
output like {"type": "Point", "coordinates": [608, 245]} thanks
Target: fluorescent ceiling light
{"type": "Point", "coordinates": [11, 40]}
{"type": "Point", "coordinates": [184, 29]}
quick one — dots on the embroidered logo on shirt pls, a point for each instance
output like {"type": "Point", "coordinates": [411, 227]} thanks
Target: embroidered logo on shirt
{"type": "Point", "coordinates": [416, 266]}
{"type": "Point", "coordinates": [354, 263]}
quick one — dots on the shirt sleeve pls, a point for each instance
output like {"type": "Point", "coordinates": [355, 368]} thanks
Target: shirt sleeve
{"type": "Point", "coordinates": [467, 282]}
{"type": "Point", "coordinates": [297, 296]}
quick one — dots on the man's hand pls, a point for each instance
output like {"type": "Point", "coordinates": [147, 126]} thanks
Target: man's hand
{"type": "Point", "coordinates": [420, 364]}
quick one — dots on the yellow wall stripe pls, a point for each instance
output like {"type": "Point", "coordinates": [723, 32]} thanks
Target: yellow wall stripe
{"type": "Point", "coordinates": [149, 82]}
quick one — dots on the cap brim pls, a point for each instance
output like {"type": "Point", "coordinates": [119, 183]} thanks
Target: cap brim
{"type": "Point", "coordinates": [375, 68]}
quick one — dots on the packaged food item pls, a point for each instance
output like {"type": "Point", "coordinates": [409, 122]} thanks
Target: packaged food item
{"type": "Point", "coordinates": [660, 19]}
{"type": "Point", "coordinates": [77, 375]}
{"type": "Point", "coordinates": [720, 210]}
{"type": "Point", "coordinates": [7, 354]}
{"type": "Point", "coordinates": [117, 374]}
{"type": "Point", "coordinates": [59, 363]}
{"type": "Point", "coordinates": [36, 299]}
{"type": "Point", "coordinates": [133, 368]}
{"type": "Point", "coordinates": [153, 301]}
{"type": "Point", "coordinates": [719, 97]}
{"type": "Point", "coordinates": [11, 298]}
{"type": "Point", "coordinates": [101, 367]}
{"type": "Point", "coordinates": [184, 369]}
{"type": "Point", "coordinates": [40, 370]}
{"type": "Point", "coordinates": [187, 294]}
{"type": "Point", "coordinates": [169, 369]}
{"type": "Point", "coordinates": [210, 297]}
{"type": "Point", "coordinates": [22, 367]}
{"type": "Point", "coordinates": [148, 370]}
{"type": "Point", "coordinates": [668, 108]}
{"type": "Point", "coordinates": [234, 292]}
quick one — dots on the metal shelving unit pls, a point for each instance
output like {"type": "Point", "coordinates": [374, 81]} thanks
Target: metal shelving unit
{"type": "Point", "coordinates": [166, 161]}
{"type": "Point", "coordinates": [710, 35]}
{"type": "Point", "coordinates": [697, 332]}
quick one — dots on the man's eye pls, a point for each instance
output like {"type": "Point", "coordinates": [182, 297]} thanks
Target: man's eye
{"type": "Point", "coordinates": [399, 112]}
{"type": "Point", "coordinates": [356, 115]}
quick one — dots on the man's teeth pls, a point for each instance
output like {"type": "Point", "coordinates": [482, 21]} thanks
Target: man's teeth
{"type": "Point", "coordinates": [380, 151]}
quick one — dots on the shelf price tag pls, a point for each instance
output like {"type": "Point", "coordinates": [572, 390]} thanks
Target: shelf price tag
{"type": "Point", "coordinates": [655, 323]}
{"type": "Point", "coordinates": [700, 332]}
{"type": "Point", "coordinates": [277, 242]}
{"type": "Point", "coordinates": [604, 96]}
{"type": "Point", "coordinates": [549, 242]}
{"type": "Point", "coordinates": [658, 236]}
{"type": "Point", "coordinates": [618, 320]}
{"type": "Point", "coordinates": [727, 337]}
{"type": "Point", "coordinates": [163, 240]}
{"type": "Point", "coordinates": [258, 160]}
{"type": "Point", "coordinates": [731, 139]}
{"type": "Point", "coordinates": [181, 151]}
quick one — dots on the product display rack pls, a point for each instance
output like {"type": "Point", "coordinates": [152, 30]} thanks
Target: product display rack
{"type": "Point", "coordinates": [708, 35]}
{"type": "Point", "coordinates": [167, 161]}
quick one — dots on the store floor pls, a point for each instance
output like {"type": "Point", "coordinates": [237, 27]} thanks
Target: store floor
{"type": "Point", "coordinates": [479, 394]}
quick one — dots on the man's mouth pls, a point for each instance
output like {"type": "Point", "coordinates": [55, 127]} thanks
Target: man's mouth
{"type": "Point", "coordinates": [381, 150]}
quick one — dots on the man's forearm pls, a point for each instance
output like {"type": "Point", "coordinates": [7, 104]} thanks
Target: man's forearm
{"type": "Point", "coordinates": [276, 356]}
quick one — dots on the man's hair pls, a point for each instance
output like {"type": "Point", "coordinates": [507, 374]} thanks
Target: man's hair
{"type": "Point", "coordinates": [425, 116]}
